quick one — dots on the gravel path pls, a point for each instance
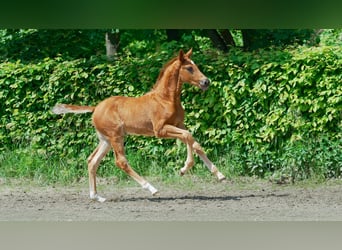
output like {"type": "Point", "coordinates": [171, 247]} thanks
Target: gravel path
{"type": "Point", "coordinates": [242, 200]}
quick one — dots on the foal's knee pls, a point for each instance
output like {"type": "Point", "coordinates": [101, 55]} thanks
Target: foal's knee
{"type": "Point", "coordinates": [188, 138]}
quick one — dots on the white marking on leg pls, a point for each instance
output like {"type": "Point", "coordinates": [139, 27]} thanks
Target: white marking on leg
{"type": "Point", "coordinates": [212, 168]}
{"type": "Point", "coordinates": [149, 187]}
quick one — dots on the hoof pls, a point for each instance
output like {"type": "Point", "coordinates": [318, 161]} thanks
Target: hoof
{"type": "Point", "coordinates": [155, 193]}
{"type": "Point", "coordinates": [98, 198]}
{"type": "Point", "coordinates": [224, 180]}
{"type": "Point", "coordinates": [101, 199]}
{"type": "Point", "coordinates": [182, 171]}
{"type": "Point", "coordinates": [220, 176]}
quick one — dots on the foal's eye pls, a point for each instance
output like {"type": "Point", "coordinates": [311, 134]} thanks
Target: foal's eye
{"type": "Point", "coordinates": [190, 69]}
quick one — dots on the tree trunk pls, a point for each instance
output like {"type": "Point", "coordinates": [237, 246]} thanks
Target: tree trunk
{"type": "Point", "coordinates": [227, 37]}
{"type": "Point", "coordinates": [217, 40]}
{"type": "Point", "coordinates": [112, 44]}
{"type": "Point", "coordinates": [248, 36]}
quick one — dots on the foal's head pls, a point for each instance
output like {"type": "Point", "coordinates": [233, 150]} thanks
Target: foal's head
{"type": "Point", "coordinates": [190, 73]}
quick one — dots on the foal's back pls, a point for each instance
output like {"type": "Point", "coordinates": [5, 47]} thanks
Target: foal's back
{"type": "Point", "coordinates": [122, 115]}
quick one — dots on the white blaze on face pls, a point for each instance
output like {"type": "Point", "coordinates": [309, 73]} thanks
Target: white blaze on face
{"type": "Point", "coordinates": [192, 62]}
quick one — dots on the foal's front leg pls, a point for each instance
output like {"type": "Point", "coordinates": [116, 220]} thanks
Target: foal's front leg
{"type": "Point", "coordinates": [192, 145]}
{"type": "Point", "coordinates": [212, 168]}
{"type": "Point", "coordinates": [190, 162]}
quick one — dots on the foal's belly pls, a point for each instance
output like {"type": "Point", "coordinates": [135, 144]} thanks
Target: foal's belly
{"type": "Point", "coordinates": [139, 129]}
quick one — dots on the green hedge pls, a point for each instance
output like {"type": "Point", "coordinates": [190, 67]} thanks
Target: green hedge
{"type": "Point", "coordinates": [273, 111]}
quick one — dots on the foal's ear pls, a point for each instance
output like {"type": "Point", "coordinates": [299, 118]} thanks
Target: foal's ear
{"type": "Point", "coordinates": [189, 53]}
{"type": "Point", "coordinates": [181, 55]}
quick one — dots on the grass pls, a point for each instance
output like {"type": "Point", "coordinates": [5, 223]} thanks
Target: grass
{"type": "Point", "coordinates": [26, 163]}
{"type": "Point", "coordinates": [29, 163]}
{"type": "Point", "coordinates": [295, 164]}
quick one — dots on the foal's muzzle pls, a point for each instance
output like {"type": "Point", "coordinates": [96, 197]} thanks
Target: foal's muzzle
{"type": "Point", "coordinates": [204, 84]}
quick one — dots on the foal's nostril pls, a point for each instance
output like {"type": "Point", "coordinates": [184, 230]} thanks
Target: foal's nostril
{"type": "Point", "coordinates": [205, 82]}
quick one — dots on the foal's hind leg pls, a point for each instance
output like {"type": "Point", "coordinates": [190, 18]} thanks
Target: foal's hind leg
{"type": "Point", "coordinates": [93, 163]}
{"type": "Point", "coordinates": [122, 163]}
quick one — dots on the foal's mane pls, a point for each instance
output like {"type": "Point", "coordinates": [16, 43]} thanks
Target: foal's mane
{"type": "Point", "coordinates": [162, 71]}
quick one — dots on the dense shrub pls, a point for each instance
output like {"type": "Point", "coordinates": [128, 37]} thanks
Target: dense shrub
{"type": "Point", "coordinates": [33, 45]}
{"type": "Point", "coordinates": [279, 111]}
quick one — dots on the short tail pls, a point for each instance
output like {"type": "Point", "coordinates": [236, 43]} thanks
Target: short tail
{"type": "Point", "coordinates": [66, 108]}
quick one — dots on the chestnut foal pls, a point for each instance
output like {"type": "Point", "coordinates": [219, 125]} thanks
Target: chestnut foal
{"type": "Point", "coordinates": [157, 113]}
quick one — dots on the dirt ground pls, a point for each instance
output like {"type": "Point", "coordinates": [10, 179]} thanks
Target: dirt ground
{"type": "Point", "coordinates": [188, 200]}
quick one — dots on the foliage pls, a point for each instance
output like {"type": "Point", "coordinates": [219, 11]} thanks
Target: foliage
{"type": "Point", "coordinates": [267, 112]}
{"type": "Point", "coordinates": [272, 101]}
{"type": "Point", "coordinates": [261, 38]}
{"type": "Point", "coordinates": [31, 45]}
{"type": "Point", "coordinates": [331, 37]}
{"type": "Point", "coordinates": [35, 45]}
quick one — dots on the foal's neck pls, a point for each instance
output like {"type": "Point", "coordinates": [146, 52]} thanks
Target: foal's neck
{"type": "Point", "coordinates": [169, 86]}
